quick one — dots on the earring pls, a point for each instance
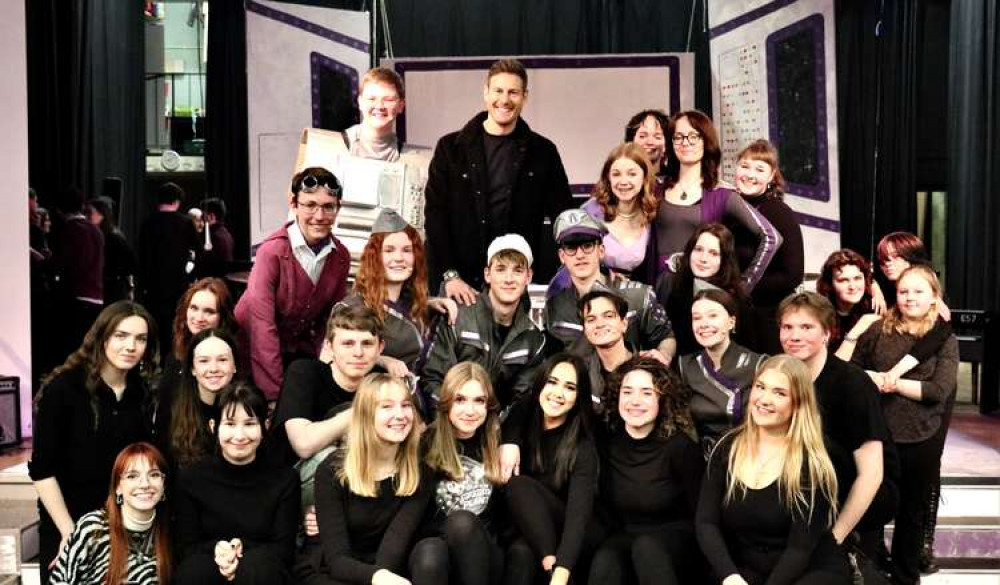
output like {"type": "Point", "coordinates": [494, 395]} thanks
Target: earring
{"type": "Point", "coordinates": [119, 499]}
{"type": "Point", "coordinates": [163, 498]}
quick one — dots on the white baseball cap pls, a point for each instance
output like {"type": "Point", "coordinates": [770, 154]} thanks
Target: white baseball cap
{"type": "Point", "coordinates": [514, 242]}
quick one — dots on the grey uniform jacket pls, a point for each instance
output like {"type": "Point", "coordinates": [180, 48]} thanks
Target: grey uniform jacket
{"type": "Point", "coordinates": [511, 363]}
{"type": "Point", "coordinates": [648, 324]}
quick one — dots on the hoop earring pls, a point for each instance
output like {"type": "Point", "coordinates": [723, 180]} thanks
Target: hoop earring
{"type": "Point", "coordinates": [119, 499]}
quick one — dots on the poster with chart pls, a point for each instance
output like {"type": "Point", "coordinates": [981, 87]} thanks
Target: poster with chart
{"type": "Point", "coordinates": [774, 77]}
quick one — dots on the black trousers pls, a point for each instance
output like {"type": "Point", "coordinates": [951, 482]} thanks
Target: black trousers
{"type": "Point", "coordinates": [668, 556]}
{"type": "Point", "coordinates": [920, 470]}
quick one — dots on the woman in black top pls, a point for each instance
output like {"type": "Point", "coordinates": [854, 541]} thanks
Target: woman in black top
{"type": "Point", "coordinates": [128, 540]}
{"type": "Point", "coordinates": [760, 182]}
{"type": "Point", "coordinates": [182, 428]}
{"type": "Point", "coordinates": [236, 515]}
{"type": "Point", "coordinates": [846, 281]}
{"type": "Point", "coordinates": [552, 500]}
{"type": "Point", "coordinates": [651, 468]}
{"type": "Point", "coordinates": [90, 408]}
{"type": "Point", "coordinates": [205, 305]}
{"type": "Point", "coordinates": [462, 448]}
{"type": "Point", "coordinates": [769, 496]}
{"type": "Point", "coordinates": [709, 261]}
{"type": "Point", "coordinates": [120, 263]}
{"type": "Point", "coordinates": [371, 496]}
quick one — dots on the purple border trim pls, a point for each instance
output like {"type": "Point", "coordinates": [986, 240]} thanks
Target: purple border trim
{"type": "Point", "coordinates": [820, 223]}
{"type": "Point", "coordinates": [751, 16]}
{"type": "Point", "coordinates": [309, 27]}
{"type": "Point", "coordinates": [578, 62]}
{"type": "Point", "coordinates": [318, 62]}
{"type": "Point", "coordinates": [821, 190]}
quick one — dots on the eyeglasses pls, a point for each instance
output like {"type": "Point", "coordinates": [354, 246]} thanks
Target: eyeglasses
{"type": "Point", "coordinates": [693, 139]}
{"type": "Point", "coordinates": [311, 207]}
{"type": "Point", "coordinates": [571, 249]}
{"type": "Point", "coordinates": [154, 476]}
{"type": "Point", "coordinates": [311, 183]}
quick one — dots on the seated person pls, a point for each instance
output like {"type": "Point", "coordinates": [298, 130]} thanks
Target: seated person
{"type": "Point", "coordinates": [392, 282]}
{"type": "Point", "coordinates": [719, 375]}
{"type": "Point", "coordinates": [237, 515]}
{"type": "Point", "coordinates": [769, 496]}
{"type": "Point", "coordinates": [581, 251]}
{"type": "Point", "coordinates": [313, 411]}
{"type": "Point", "coordinates": [496, 331]}
{"type": "Point", "coordinates": [605, 321]}
{"type": "Point", "coordinates": [299, 273]}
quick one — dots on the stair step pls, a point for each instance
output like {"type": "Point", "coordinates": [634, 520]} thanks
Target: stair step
{"type": "Point", "coordinates": [969, 497]}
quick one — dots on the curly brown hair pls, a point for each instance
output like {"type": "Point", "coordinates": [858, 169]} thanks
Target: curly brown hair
{"type": "Point", "coordinates": [370, 282]}
{"type": "Point", "coordinates": [674, 402]}
{"type": "Point", "coordinates": [606, 197]}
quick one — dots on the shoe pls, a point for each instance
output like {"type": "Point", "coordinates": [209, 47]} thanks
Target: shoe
{"type": "Point", "coordinates": [928, 564]}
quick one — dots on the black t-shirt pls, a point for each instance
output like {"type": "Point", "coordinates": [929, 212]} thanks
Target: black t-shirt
{"type": "Point", "coordinates": [500, 152]}
{"type": "Point", "coordinates": [310, 392]}
{"type": "Point", "coordinates": [852, 415]}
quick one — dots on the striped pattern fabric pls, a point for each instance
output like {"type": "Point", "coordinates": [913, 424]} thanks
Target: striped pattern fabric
{"type": "Point", "coordinates": [84, 560]}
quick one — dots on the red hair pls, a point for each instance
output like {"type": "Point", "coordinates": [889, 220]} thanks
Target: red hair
{"type": "Point", "coordinates": [223, 304]}
{"type": "Point", "coordinates": [370, 282]}
{"type": "Point", "coordinates": [118, 558]}
{"type": "Point", "coordinates": [905, 245]}
{"type": "Point", "coordinates": [765, 152]}
{"type": "Point", "coordinates": [603, 194]}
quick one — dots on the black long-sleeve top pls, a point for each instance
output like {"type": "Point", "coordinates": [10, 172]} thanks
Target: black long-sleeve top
{"type": "Point", "coordinates": [578, 491]}
{"type": "Point", "coordinates": [362, 535]}
{"type": "Point", "coordinates": [651, 483]}
{"type": "Point", "coordinates": [79, 452]}
{"type": "Point", "coordinates": [258, 503]}
{"type": "Point", "coordinates": [785, 272]}
{"type": "Point", "coordinates": [756, 536]}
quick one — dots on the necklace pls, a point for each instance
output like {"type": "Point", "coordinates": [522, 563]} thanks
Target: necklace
{"type": "Point", "coordinates": [762, 466]}
{"type": "Point", "coordinates": [624, 215]}
{"type": "Point", "coordinates": [684, 195]}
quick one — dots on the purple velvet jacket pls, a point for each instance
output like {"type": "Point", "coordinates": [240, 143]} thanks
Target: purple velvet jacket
{"type": "Point", "coordinates": [282, 312]}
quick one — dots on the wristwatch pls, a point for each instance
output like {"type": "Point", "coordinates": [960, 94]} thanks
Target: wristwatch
{"type": "Point", "coordinates": [449, 275]}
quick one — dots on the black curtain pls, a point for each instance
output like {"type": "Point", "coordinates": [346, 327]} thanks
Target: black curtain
{"type": "Point", "coordinates": [974, 139]}
{"type": "Point", "coordinates": [85, 98]}
{"type": "Point", "coordinates": [226, 149]}
{"type": "Point", "coordinates": [877, 95]}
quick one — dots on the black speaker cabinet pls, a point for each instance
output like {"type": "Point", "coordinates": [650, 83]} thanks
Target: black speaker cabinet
{"type": "Point", "coordinates": [10, 411]}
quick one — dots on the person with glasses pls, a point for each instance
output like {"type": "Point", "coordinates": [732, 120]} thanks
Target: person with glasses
{"type": "Point", "coordinates": [381, 98]}
{"type": "Point", "coordinates": [579, 237]}
{"type": "Point", "coordinates": [492, 177]}
{"type": "Point", "coordinates": [128, 539]}
{"type": "Point", "coordinates": [694, 196]}
{"type": "Point", "coordinates": [299, 273]}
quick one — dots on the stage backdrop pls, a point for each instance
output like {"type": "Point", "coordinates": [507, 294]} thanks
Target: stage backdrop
{"type": "Point", "coordinates": [774, 77]}
{"type": "Point", "coordinates": [580, 102]}
{"type": "Point", "coordinates": [303, 67]}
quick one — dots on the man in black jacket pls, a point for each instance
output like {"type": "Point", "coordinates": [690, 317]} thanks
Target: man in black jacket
{"type": "Point", "coordinates": [492, 177]}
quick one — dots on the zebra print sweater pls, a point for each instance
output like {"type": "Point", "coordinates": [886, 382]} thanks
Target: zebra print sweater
{"type": "Point", "coordinates": [84, 559]}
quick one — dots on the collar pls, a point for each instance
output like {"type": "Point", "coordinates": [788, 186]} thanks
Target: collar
{"type": "Point", "coordinates": [297, 240]}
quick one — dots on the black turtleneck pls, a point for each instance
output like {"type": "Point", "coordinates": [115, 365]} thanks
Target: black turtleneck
{"type": "Point", "coordinates": [651, 482]}
{"type": "Point", "coordinates": [215, 500]}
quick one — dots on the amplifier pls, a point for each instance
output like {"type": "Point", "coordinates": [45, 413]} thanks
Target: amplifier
{"type": "Point", "coordinates": [10, 411]}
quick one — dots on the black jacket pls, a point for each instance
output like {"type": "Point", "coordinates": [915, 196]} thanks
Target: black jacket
{"type": "Point", "coordinates": [456, 213]}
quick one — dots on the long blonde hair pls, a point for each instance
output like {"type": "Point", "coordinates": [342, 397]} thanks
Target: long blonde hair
{"type": "Point", "coordinates": [805, 451]}
{"type": "Point", "coordinates": [442, 454]}
{"type": "Point", "coordinates": [895, 322]}
{"type": "Point", "coordinates": [357, 472]}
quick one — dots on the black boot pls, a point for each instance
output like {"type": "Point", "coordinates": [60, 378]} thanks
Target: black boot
{"type": "Point", "coordinates": [928, 564]}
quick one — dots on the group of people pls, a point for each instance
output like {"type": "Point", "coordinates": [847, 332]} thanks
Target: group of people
{"type": "Point", "coordinates": [682, 413]}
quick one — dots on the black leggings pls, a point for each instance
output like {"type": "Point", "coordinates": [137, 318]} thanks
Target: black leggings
{"type": "Point", "coordinates": [920, 467]}
{"type": "Point", "coordinates": [666, 557]}
{"type": "Point", "coordinates": [466, 550]}
{"type": "Point", "coordinates": [540, 516]}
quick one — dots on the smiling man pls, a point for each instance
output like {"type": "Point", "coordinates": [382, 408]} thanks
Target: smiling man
{"type": "Point", "coordinates": [299, 273]}
{"type": "Point", "coordinates": [492, 177]}
{"type": "Point", "coordinates": [381, 98]}
{"type": "Point", "coordinates": [579, 237]}
{"type": "Point", "coordinates": [605, 321]}
{"type": "Point", "coordinates": [496, 331]}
